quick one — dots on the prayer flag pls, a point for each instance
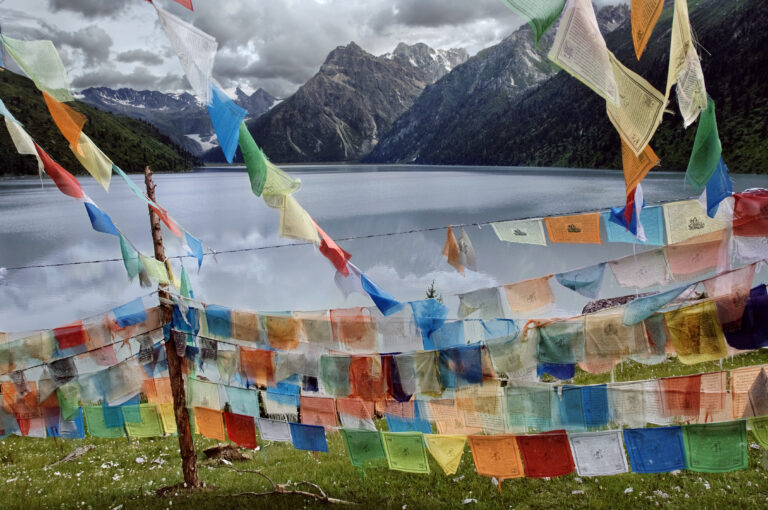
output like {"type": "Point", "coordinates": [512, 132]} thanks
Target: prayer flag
{"type": "Point", "coordinates": [284, 332]}
{"type": "Point", "coordinates": [3, 109]}
{"type": "Point", "coordinates": [540, 14]}
{"type": "Point", "coordinates": [384, 301]}
{"type": "Point", "coordinates": [93, 160]}
{"type": "Point", "coordinates": [364, 447]}
{"type": "Point", "coordinates": [461, 366]}
{"type": "Point", "coordinates": [638, 310]}
{"type": "Point", "coordinates": [585, 281]}
{"type": "Point", "coordinates": [218, 322]}
{"type": "Point", "coordinates": [155, 269]}
{"type": "Point", "coordinates": [451, 250]}
{"type": "Point", "coordinates": [753, 332]}
{"type": "Point", "coordinates": [655, 450]}
{"type": "Point", "coordinates": [447, 450]}
{"type": "Point", "coordinates": [407, 418]}
{"type": "Point", "coordinates": [696, 334]}
{"type": "Point", "coordinates": [354, 329]}
{"type": "Point", "coordinates": [255, 160]}
{"type": "Point", "coordinates": [429, 315]}
{"type": "Point", "coordinates": [750, 213]}
{"type": "Point", "coordinates": [609, 340]}
{"type": "Point", "coordinates": [333, 252]}
{"type": "Point", "coordinates": [40, 61]}
{"type": "Point", "coordinates": [707, 149]}
{"type": "Point", "coordinates": [496, 456]}
{"type": "Point", "coordinates": [210, 423]}
{"type": "Point", "coordinates": [142, 421]}
{"type": "Point", "coordinates": [334, 374]}
{"type": "Point", "coordinates": [467, 257]}
{"type": "Point", "coordinates": [97, 426]}
{"type": "Point", "coordinates": [241, 430]}
{"type": "Point", "coordinates": [546, 455]}
{"type": "Point", "coordinates": [636, 167]}
{"type": "Point", "coordinates": [486, 301]}
{"type": "Point", "coordinates": [185, 3]}
{"type": "Point", "coordinates": [64, 180]}
{"type": "Point", "coordinates": [273, 430]}
{"type": "Point", "coordinates": [759, 427]}
{"type": "Point", "coordinates": [69, 121]}
{"type": "Point", "coordinates": [23, 142]}
{"type": "Point", "coordinates": [580, 49]}
{"type": "Point", "coordinates": [641, 270]}
{"type": "Point", "coordinates": [70, 335]}
{"type": "Point", "coordinates": [405, 451]}
{"type": "Point", "coordinates": [719, 187]}
{"type": "Point", "coordinates": [580, 228]}
{"type": "Point", "coordinates": [195, 248]}
{"type": "Point", "coordinates": [643, 15]}
{"type": "Point", "coordinates": [561, 341]}
{"type": "Point", "coordinates": [520, 231]}
{"type": "Point", "coordinates": [226, 117]}
{"type": "Point", "coordinates": [598, 453]}
{"type": "Point", "coordinates": [295, 222]}
{"type": "Point", "coordinates": [716, 447]}
{"type": "Point", "coordinates": [367, 377]}
{"type": "Point", "coordinates": [257, 365]}
{"type": "Point", "coordinates": [242, 401]}
{"type": "Point", "coordinates": [651, 219]}
{"type": "Point", "coordinates": [130, 313]}
{"type": "Point", "coordinates": [695, 256]}
{"type": "Point", "coordinates": [100, 221]}
{"type": "Point", "coordinates": [529, 295]}
{"type": "Point", "coordinates": [308, 437]}
{"type": "Point", "coordinates": [319, 411]}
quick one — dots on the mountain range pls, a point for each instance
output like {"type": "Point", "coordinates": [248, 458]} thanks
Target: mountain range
{"type": "Point", "coordinates": [131, 144]}
{"type": "Point", "coordinates": [182, 117]}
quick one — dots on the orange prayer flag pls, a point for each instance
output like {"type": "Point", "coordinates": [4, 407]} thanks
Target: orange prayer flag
{"type": "Point", "coordinates": [318, 411]}
{"type": "Point", "coordinates": [284, 332]}
{"type": "Point", "coordinates": [258, 365]}
{"type": "Point", "coordinates": [643, 15]}
{"type": "Point", "coordinates": [529, 295]}
{"type": "Point", "coordinates": [210, 423]}
{"type": "Point", "coordinates": [69, 121]}
{"type": "Point", "coordinates": [636, 167]}
{"type": "Point", "coordinates": [354, 328]}
{"type": "Point", "coordinates": [496, 456]}
{"type": "Point", "coordinates": [451, 250]}
{"type": "Point", "coordinates": [580, 228]}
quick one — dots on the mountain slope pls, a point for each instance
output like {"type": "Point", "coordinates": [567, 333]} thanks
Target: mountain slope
{"type": "Point", "coordinates": [341, 112]}
{"type": "Point", "coordinates": [179, 116]}
{"type": "Point", "coordinates": [131, 144]}
{"type": "Point", "coordinates": [562, 123]}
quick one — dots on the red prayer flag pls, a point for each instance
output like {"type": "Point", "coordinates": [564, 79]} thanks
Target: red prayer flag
{"type": "Point", "coordinates": [70, 335]}
{"type": "Point", "coordinates": [333, 251]}
{"type": "Point", "coordinates": [186, 3]}
{"type": "Point", "coordinates": [629, 208]}
{"type": "Point", "coordinates": [546, 455]}
{"type": "Point", "coordinates": [64, 180]}
{"type": "Point", "coordinates": [163, 215]}
{"type": "Point", "coordinates": [241, 430]}
{"type": "Point", "coordinates": [750, 213]}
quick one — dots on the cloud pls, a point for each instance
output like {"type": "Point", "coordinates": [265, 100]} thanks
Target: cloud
{"type": "Point", "coordinates": [90, 8]}
{"type": "Point", "coordinates": [438, 13]}
{"type": "Point", "coordinates": [93, 41]}
{"type": "Point", "coordinates": [140, 79]}
{"type": "Point", "coordinates": [142, 56]}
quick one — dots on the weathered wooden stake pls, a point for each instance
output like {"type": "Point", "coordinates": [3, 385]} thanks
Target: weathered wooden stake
{"type": "Point", "coordinates": [186, 446]}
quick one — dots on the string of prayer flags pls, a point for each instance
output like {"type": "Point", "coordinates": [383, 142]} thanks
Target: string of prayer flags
{"type": "Point", "coordinates": [100, 221]}
{"type": "Point", "coordinates": [580, 228]}
{"type": "Point", "coordinates": [447, 450]}
{"type": "Point", "coordinates": [707, 149]}
{"type": "Point", "coordinates": [750, 213]}
{"type": "Point", "coordinates": [637, 116]}
{"type": "Point", "coordinates": [364, 447]}
{"type": "Point", "coordinates": [195, 49]}
{"type": "Point", "coordinates": [546, 455]}
{"type": "Point", "coordinates": [580, 49]}
{"type": "Point", "coordinates": [585, 281]}
{"type": "Point", "coordinates": [598, 453]}
{"type": "Point", "coordinates": [40, 61]}
{"type": "Point", "coordinates": [308, 437]}
{"type": "Point", "coordinates": [227, 118]}
{"type": "Point", "coordinates": [539, 14]}
{"type": "Point", "coordinates": [719, 187]}
{"type": "Point", "coordinates": [521, 231]}
{"type": "Point", "coordinates": [529, 295]}
{"type": "Point", "coordinates": [64, 180]}
{"type": "Point", "coordinates": [696, 334]}
{"type": "Point", "coordinates": [716, 447]}
{"type": "Point", "coordinates": [451, 250]}
{"type": "Point", "coordinates": [405, 451]}
{"type": "Point", "coordinates": [655, 450]}
{"type": "Point", "coordinates": [497, 456]}
{"type": "Point", "coordinates": [643, 16]}
{"type": "Point", "coordinates": [638, 310]}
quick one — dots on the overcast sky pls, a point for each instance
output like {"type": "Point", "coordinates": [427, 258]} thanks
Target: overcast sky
{"type": "Point", "coordinates": [273, 44]}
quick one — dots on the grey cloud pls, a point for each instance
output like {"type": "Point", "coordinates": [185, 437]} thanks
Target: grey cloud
{"type": "Point", "coordinates": [142, 56]}
{"type": "Point", "coordinates": [90, 8]}
{"type": "Point", "coordinates": [140, 78]}
{"type": "Point", "coordinates": [438, 13]}
{"type": "Point", "coordinates": [93, 41]}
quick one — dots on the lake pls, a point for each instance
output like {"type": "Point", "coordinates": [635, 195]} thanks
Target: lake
{"type": "Point", "coordinates": [39, 225]}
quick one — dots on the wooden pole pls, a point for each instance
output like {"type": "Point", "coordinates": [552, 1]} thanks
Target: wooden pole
{"type": "Point", "coordinates": [186, 446]}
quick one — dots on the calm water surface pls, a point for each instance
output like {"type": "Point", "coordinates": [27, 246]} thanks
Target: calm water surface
{"type": "Point", "coordinates": [39, 225]}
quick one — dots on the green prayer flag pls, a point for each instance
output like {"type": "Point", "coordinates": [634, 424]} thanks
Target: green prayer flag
{"type": "Point", "coordinates": [130, 258]}
{"type": "Point", "coordinates": [759, 428]}
{"type": "Point", "coordinates": [97, 427]}
{"type": "Point", "coordinates": [706, 149]}
{"type": "Point", "coordinates": [186, 285]}
{"type": "Point", "coordinates": [148, 423]}
{"type": "Point", "coordinates": [363, 446]}
{"type": "Point", "coordinates": [255, 161]}
{"type": "Point", "coordinates": [68, 396]}
{"type": "Point", "coordinates": [540, 14]}
{"type": "Point", "coordinates": [716, 447]}
{"type": "Point", "coordinates": [334, 374]}
{"type": "Point", "coordinates": [406, 452]}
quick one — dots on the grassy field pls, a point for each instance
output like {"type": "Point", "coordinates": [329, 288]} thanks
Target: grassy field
{"type": "Point", "coordinates": [126, 473]}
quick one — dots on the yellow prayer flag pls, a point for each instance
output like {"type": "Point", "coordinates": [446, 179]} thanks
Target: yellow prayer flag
{"type": "Point", "coordinates": [168, 417]}
{"type": "Point", "coordinates": [296, 223]}
{"type": "Point", "coordinates": [93, 160]}
{"type": "Point", "coordinates": [695, 333]}
{"type": "Point", "coordinates": [155, 269]}
{"type": "Point", "coordinates": [446, 450]}
{"type": "Point", "coordinates": [687, 219]}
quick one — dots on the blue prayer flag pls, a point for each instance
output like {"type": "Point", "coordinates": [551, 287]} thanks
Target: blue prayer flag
{"type": "Point", "coordinates": [651, 218]}
{"type": "Point", "coordinates": [100, 221]}
{"type": "Point", "coordinates": [219, 321]}
{"type": "Point", "coordinates": [450, 334]}
{"type": "Point", "coordinates": [386, 303]}
{"type": "Point", "coordinates": [752, 333]}
{"type": "Point", "coordinates": [308, 437]}
{"type": "Point", "coordinates": [640, 309]}
{"type": "Point", "coordinates": [719, 187]}
{"type": "Point", "coordinates": [460, 366]}
{"type": "Point", "coordinates": [429, 315]}
{"type": "Point", "coordinates": [402, 424]}
{"type": "Point", "coordinates": [130, 313]}
{"type": "Point", "coordinates": [196, 247]}
{"type": "Point", "coordinates": [226, 117]}
{"type": "Point", "coordinates": [585, 281]}
{"type": "Point", "coordinates": [655, 450]}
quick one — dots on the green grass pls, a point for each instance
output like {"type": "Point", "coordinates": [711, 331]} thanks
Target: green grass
{"type": "Point", "coordinates": [109, 475]}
